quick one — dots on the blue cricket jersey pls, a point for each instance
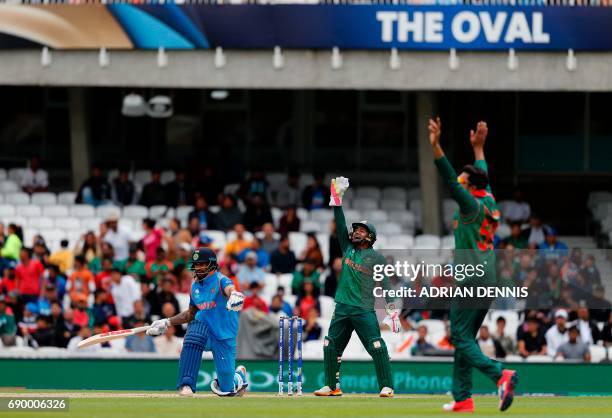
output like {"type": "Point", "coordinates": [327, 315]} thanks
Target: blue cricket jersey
{"type": "Point", "coordinates": [208, 297]}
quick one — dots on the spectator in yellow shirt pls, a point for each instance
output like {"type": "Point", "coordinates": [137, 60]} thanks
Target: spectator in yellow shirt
{"type": "Point", "coordinates": [12, 245]}
{"type": "Point", "coordinates": [239, 244]}
{"type": "Point", "coordinates": [64, 258]}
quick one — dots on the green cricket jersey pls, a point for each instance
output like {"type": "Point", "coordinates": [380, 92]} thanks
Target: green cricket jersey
{"type": "Point", "coordinates": [7, 324]}
{"type": "Point", "coordinates": [356, 283]}
{"type": "Point", "coordinates": [474, 223]}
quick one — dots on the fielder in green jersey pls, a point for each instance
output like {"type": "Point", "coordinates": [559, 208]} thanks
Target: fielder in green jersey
{"type": "Point", "coordinates": [474, 228]}
{"type": "Point", "coordinates": [355, 300]}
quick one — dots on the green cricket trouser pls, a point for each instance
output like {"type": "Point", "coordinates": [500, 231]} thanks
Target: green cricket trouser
{"type": "Point", "coordinates": [465, 324]}
{"type": "Point", "coordinates": [345, 320]}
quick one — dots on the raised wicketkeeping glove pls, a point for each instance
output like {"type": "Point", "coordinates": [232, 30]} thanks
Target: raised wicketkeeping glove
{"type": "Point", "coordinates": [158, 327]}
{"type": "Point", "coordinates": [338, 187]}
{"type": "Point", "coordinates": [235, 301]}
{"type": "Point", "coordinates": [392, 318]}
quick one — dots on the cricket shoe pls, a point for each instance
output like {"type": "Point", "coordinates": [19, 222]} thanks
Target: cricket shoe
{"type": "Point", "coordinates": [386, 392]}
{"type": "Point", "coordinates": [461, 406]}
{"type": "Point", "coordinates": [327, 391]}
{"type": "Point", "coordinates": [185, 391]}
{"type": "Point", "coordinates": [241, 370]}
{"type": "Point", "coordinates": [505, 387]}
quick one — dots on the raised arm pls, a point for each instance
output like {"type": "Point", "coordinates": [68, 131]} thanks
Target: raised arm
{"type": "Point", "coordinates": [467, 203]}
{"type": "Point", "coordinates": [341, 229]}
{"type": "Point", "coordinates": [478, 139]}
{"type": "Point", "coordinates": [338, 187]}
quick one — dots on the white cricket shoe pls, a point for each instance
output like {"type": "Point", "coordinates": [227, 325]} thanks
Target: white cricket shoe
{"type": "Point", "coordinates": [386, 392]}
{"type": "Point", "coordinates": [185, 391]}
{"type": "Point", "coordinates": [448, 407]}
{"type": "Point", "coordinates": [327, 391]}
{"type": "Point", "coordinates": [243, 384]}
{"type": "Point", "coordinates": [461, 406]}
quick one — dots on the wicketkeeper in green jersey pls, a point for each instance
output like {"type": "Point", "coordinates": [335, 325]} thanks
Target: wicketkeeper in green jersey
{"type": "Point", "coordinates": [355, 301]}
{"type": "Point", "coordinates": [474, 228]}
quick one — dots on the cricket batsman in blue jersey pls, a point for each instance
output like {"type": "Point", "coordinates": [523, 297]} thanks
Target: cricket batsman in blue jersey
{"type": "Point", "coordinates": [213, 326]}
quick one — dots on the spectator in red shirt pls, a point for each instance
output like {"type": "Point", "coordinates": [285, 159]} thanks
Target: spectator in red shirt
{"type": "Point", "coordinates": [308, 301]}
{"type": "Point", "coordinates": [152, 239]}
{"type": "Point", "coordinates": [81, 314]}
{"type": "Point", "coordinates": [254, 301]}
{"type": "Point", "coordinates": [8, 285]}
{"type": "Point", "coordinates": [28, 274]}
{"type": "Point", "coordinates": [103, 279]}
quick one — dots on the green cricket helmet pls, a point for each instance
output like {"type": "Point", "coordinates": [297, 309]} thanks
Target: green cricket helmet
{"type": "Point", "coordinates": [369, 226]}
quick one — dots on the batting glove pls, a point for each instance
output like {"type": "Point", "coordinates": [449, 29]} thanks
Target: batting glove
{"type": "Point", "coordinates": [338, 187]}
{"type": "Point", "coordinates": [392, 318]}
{"type": "Point", "coordinates": [235, 301]}
{"type": "Point", "coordinates": [158, 327]}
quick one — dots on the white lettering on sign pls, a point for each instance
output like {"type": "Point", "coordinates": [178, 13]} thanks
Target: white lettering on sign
{"type": "Point", "coordinates": [493, 28]}
{"type": "Point", "coordinates": [518, 29]}
{"type": "Point", "coordinates": [434, 27]}
{"type": "Point", "coordinates": [466, 27]}
{"type": "Point", "coordinates": [406, 26]}
{"type": "Point", "coordinates": [537, 23]}
{"type": "Point", "coordinates": [387, 19]}
{"type": "Point", "coordinates": [417, 27]}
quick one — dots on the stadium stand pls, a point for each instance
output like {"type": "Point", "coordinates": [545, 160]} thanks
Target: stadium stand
{"type": "Point", "coordinates": [46, 220]}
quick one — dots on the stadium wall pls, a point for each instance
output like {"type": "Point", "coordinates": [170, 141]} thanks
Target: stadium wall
{"type": "Point", "coordinates": [423, 377]}
{"type": "Point", "coordinates": [308, 69]}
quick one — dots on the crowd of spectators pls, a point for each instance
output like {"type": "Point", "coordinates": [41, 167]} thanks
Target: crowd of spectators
{"type": "Point", "coordinates": [108, 281]}
{"type": "Point", "coordinates": [568, 336]}
{"type": "Point", "coordinates": [563, 315]}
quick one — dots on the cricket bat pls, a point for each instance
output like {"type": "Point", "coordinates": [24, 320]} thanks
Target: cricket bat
{"type": "Point", "coordinates": [112, 335]}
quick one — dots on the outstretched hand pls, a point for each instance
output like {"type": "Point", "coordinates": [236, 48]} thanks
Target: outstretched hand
{"type": "Point", "coordinates": [435, 130]}
{"type": "Point", "coordinates": [338, 187]}
{"type": "Point", "coordinates": [478, 137]}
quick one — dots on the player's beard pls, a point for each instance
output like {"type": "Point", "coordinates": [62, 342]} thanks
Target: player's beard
{"type": "Point", "coordinates": [357, 240]}
{"type": "Point", "coordinates": [199, 276]}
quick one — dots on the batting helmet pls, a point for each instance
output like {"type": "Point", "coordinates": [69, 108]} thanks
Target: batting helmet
{"type": "Point", "coordinates": [205, 256]}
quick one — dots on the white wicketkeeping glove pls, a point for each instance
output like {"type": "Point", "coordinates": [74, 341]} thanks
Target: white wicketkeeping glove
{"type": "Point", "coordinates": [235, 301]}
{"type": "Point", "coordinates": [392, 318]}
{"type": "Point", "coordinates": [158, 327]}
{"type": "Point", "coordinates": [338, 187]}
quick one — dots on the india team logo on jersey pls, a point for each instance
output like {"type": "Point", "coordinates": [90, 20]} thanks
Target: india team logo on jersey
{"type": "Point", "coordinates": [207, 305]}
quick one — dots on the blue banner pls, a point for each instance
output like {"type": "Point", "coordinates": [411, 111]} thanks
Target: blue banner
{"type": "Point", "coordinates": [406, 27]}
{"type": "Point", "coordinates": [364, 27]}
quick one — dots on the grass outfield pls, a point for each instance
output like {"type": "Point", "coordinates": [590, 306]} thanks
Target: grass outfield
{"type": "Point", "coordinates": [159, 404]}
